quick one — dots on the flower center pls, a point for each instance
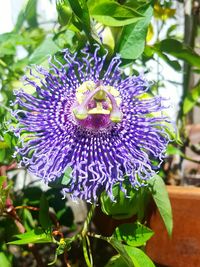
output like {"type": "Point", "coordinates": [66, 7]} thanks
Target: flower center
{"type": "Point", "coordinates": [97, 105]}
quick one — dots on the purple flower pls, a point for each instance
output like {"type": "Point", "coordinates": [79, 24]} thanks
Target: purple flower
{"type": "Point", "coordinates": [86, 117]}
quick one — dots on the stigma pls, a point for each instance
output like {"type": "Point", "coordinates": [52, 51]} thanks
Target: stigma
{"type": "Point", "coordinates": [96, 101]}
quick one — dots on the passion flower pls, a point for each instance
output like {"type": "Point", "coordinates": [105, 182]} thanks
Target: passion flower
{"type": "Point", "coordinates": [87, 116]}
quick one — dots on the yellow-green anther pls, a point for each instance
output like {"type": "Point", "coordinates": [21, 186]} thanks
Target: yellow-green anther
{"type": "Point", "coordinates": [80, 112]}
{"type": "Point", "coordinates": [116, 116]}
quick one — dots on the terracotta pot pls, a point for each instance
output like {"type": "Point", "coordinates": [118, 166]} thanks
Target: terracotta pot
{"type": "Point", "coordinates": [183, 248]}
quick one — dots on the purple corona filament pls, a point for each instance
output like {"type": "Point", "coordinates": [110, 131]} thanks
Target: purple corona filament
{"type": "Point", "coordinates": [88, 118]}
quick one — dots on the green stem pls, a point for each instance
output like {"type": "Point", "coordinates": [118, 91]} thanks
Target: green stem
{"type": "Point", "coordinates": [85, 239]}
{"type": "Point", "coordinates": [87, 251]}
{"type": "Point", "coordinates": [191, 159]}
{"type": "Point", "coordinates": [87, 221]}
{"type": "Point", "coordinates": [108, 239]}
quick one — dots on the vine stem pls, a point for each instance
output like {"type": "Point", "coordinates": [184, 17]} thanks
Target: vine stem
{"type": "Point", "coordinates": [85, 239]}
{"type": "Point", "coordinates": [87, 251]}
{"type": "Point", "coordinates": [108, 239]}
{"type": "Point", "coordinates": [88, 220]}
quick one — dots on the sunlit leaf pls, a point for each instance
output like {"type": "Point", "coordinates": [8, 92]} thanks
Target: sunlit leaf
{"type": "Point", "coordinates": [191, 99]}
{"type": "Point", "coordinates": [28, 13]}
{"type": "Point", "coordinates": [41, 53]}
{"type": "Point", "coordinates": [5, 259]}
{"type": "Point", "coordinates": [172, 150]}
{"type": "Point", "coordinates": [64, 12]}
{"type": "Point", "coordinates": [171, 30]}
{"type": "Point", "coordinates": [120, 248]}
{"type": "Point", "coordinates": [111, 13]}
{"type": "Point", "coordinates": [132, 41]}
{"type": "Point", "coordinates": [139, 258]}
{"type": "Point", "coordinates": [133, 234]}
{"type": "Point", "coordinates": [34, 236]}
{"type": "Point", "coordinates": [31, 13]}
{"type": "Point", "coordinates": [151, 50]}
{"type": "Point", "coordinates": [28, 220]}
{"type": "Point", "coordinates": [132, 256]}
{"type": "Point", "coordinates": [161, 198]}
{"type": "Point", "coordinates": [180, 51]}
{"type": "Point", "coordinates": [80, 9]}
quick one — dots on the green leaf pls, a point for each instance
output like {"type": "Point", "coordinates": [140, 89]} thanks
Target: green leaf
{"type": "Point", "coordinates": [41, 53]}
{"type": "Point", "coordinates": [150, 50]}
{"type": "Point", "coordinates": [180, 51]}
{"type": "Point", "coordinates": [137, 3]}
{"type": "Point", "coordinates": [28, 12]}
{"type": "Point", "coordinates": [35, 236]}
{"type": "Point", "coordinates": [14, 39]}
{"type": "Point", "coordinates": [111, 13]}
{"type": "Point", "coordinates": [191, 99]}
{"type": "Point", "coordinates": [122, 207]}
{"type": "Point", "coordinates": [8, 138]}
{"type": "Point", "coordinates": [174, 133]}
{"type": "Point", "coordinates": [121, 250]}
{"type": "Point", "coordinates": [67, 176]}
{"type": "Point", "coordinates": [132, 40]}
{"type": "Point", "coordinates": [172, 150]}
{"type": "Point", "coordinates": [139, 258]}
{"type": "Point", "coordinates": [20, 18]}
{"type": "Point", "coordinates": [172, 63]}
{"type": "Point", "coordinates": [2, 155]}
{"type": "Point", "coordinates": [8, 43]}
{"type": "Point", "coordinates": [80, 9]}
{"type": "Point", "coordinates": [31, 13]}
{"type": "Point", "coordinates": [116, 261]}
{"type": "Point", "coordinates": [5, 261]}
{"type": "Point", "coordinates": [132, 256]}
{"type": "Point", "coordinates": [161, 198]}
{"type": "Point", "coordinates": [62, 181]}
{"type": "Point", "coordinates": [28, 221]}
{"type": "Point", "coordinates": [64, 12]}
{"type": "Point", "coordinates": [171, 30]}
{"type": "Point", "coordinates": [44, 218]}
{"type": "Point", "coordinates": [133, 234]}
